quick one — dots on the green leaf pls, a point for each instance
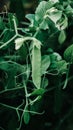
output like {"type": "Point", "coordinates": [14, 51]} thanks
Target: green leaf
{"type": "Point", "coordinates": [62, 37]}
{"type": "Point", "coordinates": [31, 18]}
{"type": "Point", "coordinates": [68, 54]}
{"type": "Point", "coordinates": [12, 69]}
{"type": "Point", "coordinates": [44, 25]}
{"type": "Point", "coordinates": [41, 10]}
{"type": "Point", "coordinates": [62, 66]}
{"type": "Point", "coordinates": [45, 63]}
{"type": "Point", "coordinates": [36, 63]}
{"type": "Point", "coordinates": [54, 1]}
{"type": "Point", "coordinates": [54, 14]}
{"type": "Point", "coordinates": [38, 92]}
{"type": "Point", "coordinates": [55, 57]}
{"type": "Point", "coordinates": [69, 10]}
{"type": "Point", "coordinates": [62, 23]}
{"type": "Point", "coordinates": [26, 117]}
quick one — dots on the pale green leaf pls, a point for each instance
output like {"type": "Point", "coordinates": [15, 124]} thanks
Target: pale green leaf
{"type": "Point", "coordinates": [45, 63]}
{"type": "Point", "coordinates": [62, 66]}
{"type": "Point", "coordinates": [26, 117]}
{"type": "Point", "coordinates": [31, 18]}
{"type": "Point", "coordinates": [44, 25]}
{"type": "Point", "coordinates": [54, 1]}
{"type": "Point", "coordinates": [68, 54]}
{"type": "Point", "coordinates": [41, 10]}
{"type": "Point", "coordinates": [62, 23]}
{"type": "Point", "coordinates": [62, 37]}
{"type": "Point", "coordinates": [54, 14]}
{"type": "Point", "coordinates": [69, 9]}
{"type": "Point", "coordinates": [38, 92]}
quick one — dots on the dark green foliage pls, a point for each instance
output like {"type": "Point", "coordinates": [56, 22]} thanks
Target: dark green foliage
{"type": "Point", "coordinates": [36, 78]}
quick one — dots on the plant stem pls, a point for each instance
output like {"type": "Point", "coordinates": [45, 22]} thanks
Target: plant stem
{"type": "Point", "coordinates": [5, 44]}
{"type": "Point", "coordinates": [15, 26]}
{"type": "Point", "coordinates": [15, 108]}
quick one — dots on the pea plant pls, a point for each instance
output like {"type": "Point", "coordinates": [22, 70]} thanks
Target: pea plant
{"type": "Point", "coordinates": [36, 58]}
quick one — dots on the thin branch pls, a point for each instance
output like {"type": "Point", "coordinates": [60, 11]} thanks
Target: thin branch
{"type": "Point", "coordinates": [15, 25]}
{"type": "Point", "coordinates": [9, 90]}
{"type": "Point", "coordinates": [15, 108]}
{"type": "Point", "coordinates": [6, 43]}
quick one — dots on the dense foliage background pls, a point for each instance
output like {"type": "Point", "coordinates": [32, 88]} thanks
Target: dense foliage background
{"type": "Point", "coordinates": [36, 65]}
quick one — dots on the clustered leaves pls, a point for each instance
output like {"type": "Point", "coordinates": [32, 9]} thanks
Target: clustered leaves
{"type": "Point", "coordinates": [28, 55]}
